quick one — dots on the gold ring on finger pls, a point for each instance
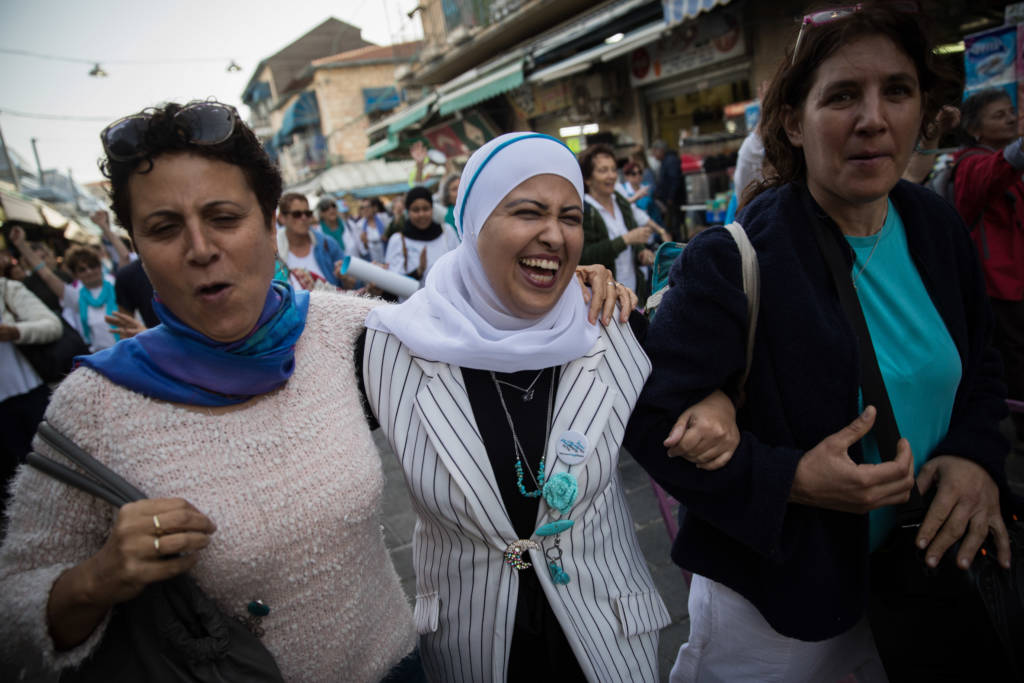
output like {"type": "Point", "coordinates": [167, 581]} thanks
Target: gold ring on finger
{"type": "Point", "coordinates": [156, 544]}
{"type": "Point", "coordinates": [156, 523]}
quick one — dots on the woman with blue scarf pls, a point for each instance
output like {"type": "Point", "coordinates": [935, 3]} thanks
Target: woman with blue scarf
{"type": "Point", "coordinates": [88, 300]}
{"type": "Point", "coordinates": [240, 416]}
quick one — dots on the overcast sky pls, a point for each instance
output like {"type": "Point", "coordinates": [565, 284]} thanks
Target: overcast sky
{"type": "Point", "coordinates": [109, 31]}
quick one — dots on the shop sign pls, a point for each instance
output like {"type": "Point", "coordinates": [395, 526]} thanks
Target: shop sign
{"type": "Point", "coordinates": [531, 100]}
{"type": "Point", "coordinates": [712, 38]}
{"type": "Point", "coordinates": [990, 61]}
{"type": "Point", "coordinates": [460, 138]}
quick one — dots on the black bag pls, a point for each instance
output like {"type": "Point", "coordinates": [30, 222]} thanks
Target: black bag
{"type": "Point", "coordinates": [972, 621]}
{"type": "Point", "coordinates": [172, 631]}
{"type": "Point", "coordinates": [52, 361]}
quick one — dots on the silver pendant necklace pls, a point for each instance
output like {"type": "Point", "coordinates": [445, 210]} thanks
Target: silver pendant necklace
{"type": "Point", "coordinates": [521, 462]}
{"type": "Point", "coordinates": [527, 392]}
{"type": "Point", "coordinates": [865, 264]}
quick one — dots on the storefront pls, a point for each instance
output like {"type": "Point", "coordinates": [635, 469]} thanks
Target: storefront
{"type": "Point", "coordinates": [689, 77]}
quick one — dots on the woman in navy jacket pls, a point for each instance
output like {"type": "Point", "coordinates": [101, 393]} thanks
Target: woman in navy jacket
{"type": "Point", "coordinates": [779, 538]}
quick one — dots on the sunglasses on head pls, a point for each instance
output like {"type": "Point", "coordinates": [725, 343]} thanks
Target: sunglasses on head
{"type": "Point", "coordinates": [300, 214]}
{"type": "Point", "coordinates": [200, 123]}
{"type": "Point", "coordinates": [829, 15]}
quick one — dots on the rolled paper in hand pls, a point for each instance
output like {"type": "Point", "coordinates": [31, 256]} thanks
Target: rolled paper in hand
{"type": "Point", "coordinates": [390, 282]}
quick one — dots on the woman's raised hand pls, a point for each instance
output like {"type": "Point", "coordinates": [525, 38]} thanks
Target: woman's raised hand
{"type": "Point", "coordinates": [638, 235]}
{"type": "Point", "coordinates": [826, 477]}
{"type": "Point", "coordinates": [601, 291]}
{"type": "Point", "coordinates": [706, 434]}
{"type": "Point", "coordinates": [124, 325]}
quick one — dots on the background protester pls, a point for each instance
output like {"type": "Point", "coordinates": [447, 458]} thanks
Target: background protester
{"type": "Point", "coordinates": [24, 319]}
{"type": "Point", "coordinates": [419, 245]}
{"type": "Point", "coordinates": [615, 232]}
{"type": "Point", "coordinates": [670, 188]}
{"type": "Point", "coordinates": [264, 480]}
{"type": "Point", "coordinates": [86, 302]}
{"type": "Point", "coordinates": [780, 539]}
{"type": "Point", "coordinates": [990, 197]}
{"type": "Point", "coordinates": [367, 231]}
{"type": "Point", "coordinates": [331, 223]}
{"type": "Point", "coordinates": [398, 217]}
{"type": "Point", "coordinates": [308, 256]}
{"type": "Point", "coordinates": [446, 196]}
{"type": "Point", "coordinates": [633, 188]}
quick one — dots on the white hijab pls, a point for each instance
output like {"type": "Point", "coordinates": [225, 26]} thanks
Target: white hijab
{"type": "Point", "coordinates": [457, 318]}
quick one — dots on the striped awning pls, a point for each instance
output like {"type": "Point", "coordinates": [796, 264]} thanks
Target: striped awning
{"type": "Point", "coordinates": [481, 88]}
{"type": "Point", "coordinates": [382, 147]}
{"type": "Point", "coordinates": [681, 10]}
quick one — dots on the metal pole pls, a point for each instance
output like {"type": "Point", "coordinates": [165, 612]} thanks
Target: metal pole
{"type": "Point", "coordinates": [10, 164]}
{"type": "Point", "coordinates": [39, 166]}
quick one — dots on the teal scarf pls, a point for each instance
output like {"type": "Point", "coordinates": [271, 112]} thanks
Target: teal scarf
{"type": "Point", "coordinates": [106, 300]}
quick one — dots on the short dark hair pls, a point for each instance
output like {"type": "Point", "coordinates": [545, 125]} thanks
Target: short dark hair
{"type": "Point", "coordinates": [794, 78]}
{"type": "Point", "coordinates": [285, 203]}
{"type": "Point", "coordinates": [970, 110]}
{"type": "Point", "coordinates": [587, 156]}
{"type": "Point", "coordinates": [78, 257]}
{"type": "Point", "coordinates": [163, 136]}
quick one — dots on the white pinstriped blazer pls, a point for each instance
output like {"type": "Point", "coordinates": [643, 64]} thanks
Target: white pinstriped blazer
{"type": "Point", "coordinates": [465, 592]}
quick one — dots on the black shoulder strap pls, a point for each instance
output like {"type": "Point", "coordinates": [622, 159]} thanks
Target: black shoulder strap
{"type": "Point", "coordinates": [886, 430]}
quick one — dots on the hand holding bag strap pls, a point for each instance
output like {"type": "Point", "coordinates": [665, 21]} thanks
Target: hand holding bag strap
{"type": "Point", "coordinates": [886, 430]}
{"type": "Point", "coordinates": [99, 472]}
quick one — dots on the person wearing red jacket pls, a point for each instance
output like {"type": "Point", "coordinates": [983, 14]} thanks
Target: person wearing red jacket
{"type": "Point", "coordinates": [990, 198]}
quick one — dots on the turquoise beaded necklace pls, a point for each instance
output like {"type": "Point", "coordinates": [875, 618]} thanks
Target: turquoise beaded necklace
{"type": "Point", "coordinates": [538, 481]}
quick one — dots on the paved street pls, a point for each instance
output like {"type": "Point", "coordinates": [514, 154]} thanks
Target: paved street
{"type": "Point", "coordinates": [399, 519]}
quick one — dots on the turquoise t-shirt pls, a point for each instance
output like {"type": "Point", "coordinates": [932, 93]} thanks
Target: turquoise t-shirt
{"type": "Point", "coordinates": [337, 232]}
{"type": "Point", "coordinates": [920, 363]}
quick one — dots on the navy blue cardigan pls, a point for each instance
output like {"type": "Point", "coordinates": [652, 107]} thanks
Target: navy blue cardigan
{"type": "Point", "coordinates": [805, 568]}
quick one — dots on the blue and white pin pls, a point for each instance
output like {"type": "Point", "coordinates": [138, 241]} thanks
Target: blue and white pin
{"type": "Point", "coordinates": [572, 448]}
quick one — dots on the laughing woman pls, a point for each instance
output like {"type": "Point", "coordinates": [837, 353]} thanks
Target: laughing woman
{"type": "Point", "coordinates": [506, 408]}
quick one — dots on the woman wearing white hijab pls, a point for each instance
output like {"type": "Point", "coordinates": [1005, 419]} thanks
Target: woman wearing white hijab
{"type": "Point", "coordinates": [506, 408]}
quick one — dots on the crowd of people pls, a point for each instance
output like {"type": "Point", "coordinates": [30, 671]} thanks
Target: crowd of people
{"type": "Point", "coordinates": [233, 370]}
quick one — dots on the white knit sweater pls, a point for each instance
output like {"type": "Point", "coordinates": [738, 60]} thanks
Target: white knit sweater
{"type": "Point", "coordinates": [293, 482]}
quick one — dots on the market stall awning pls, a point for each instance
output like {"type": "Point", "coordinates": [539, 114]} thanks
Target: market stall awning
{"type": "Point", "coordinates": [381, 99]}
{"type": "Point", "coordinates": [480, 88]}
{"type": "Point", "coordinates": [601, 53]}
{"type": "Point", "coordinates": [358, 176]}
{"type": "Point", "coordinates": [382, 147]}
{"type": "Point", "coordinates": [413, 114]}
{"type": "Point", "coordinates": [681, 10]}
{"type": "Point", "coordinates": [303, 112]}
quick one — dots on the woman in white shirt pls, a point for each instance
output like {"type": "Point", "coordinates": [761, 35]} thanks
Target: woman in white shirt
{"type": "Point", "coordinates": [88, 300]}
{"type": "Point", "coordinates": [24, 319]}
{"type": "Point", "coordinates": [421, 241]}
{"type": "Point", "coordinates": [615, 232]}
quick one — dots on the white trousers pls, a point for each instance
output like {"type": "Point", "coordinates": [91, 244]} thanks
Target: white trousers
{"type": "Point", "coordinates": [731, 642]}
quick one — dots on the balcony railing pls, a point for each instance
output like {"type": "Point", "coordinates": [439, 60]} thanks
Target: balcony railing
{"type": "Point", "coordinates": [477, 13]}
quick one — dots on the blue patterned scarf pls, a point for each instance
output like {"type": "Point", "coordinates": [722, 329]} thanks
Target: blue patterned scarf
{"type": "Point", "coordinates": [173, 362]}
{"type": "Point", "coordinates": [106, 300]}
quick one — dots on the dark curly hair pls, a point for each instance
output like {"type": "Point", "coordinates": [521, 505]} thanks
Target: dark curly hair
{"type": "Point", "coordinates": [587, 156]}
{"type": "Point", "coordinates": [792, 82]}
{"type": "Point", "coordinates": [164, 135]}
